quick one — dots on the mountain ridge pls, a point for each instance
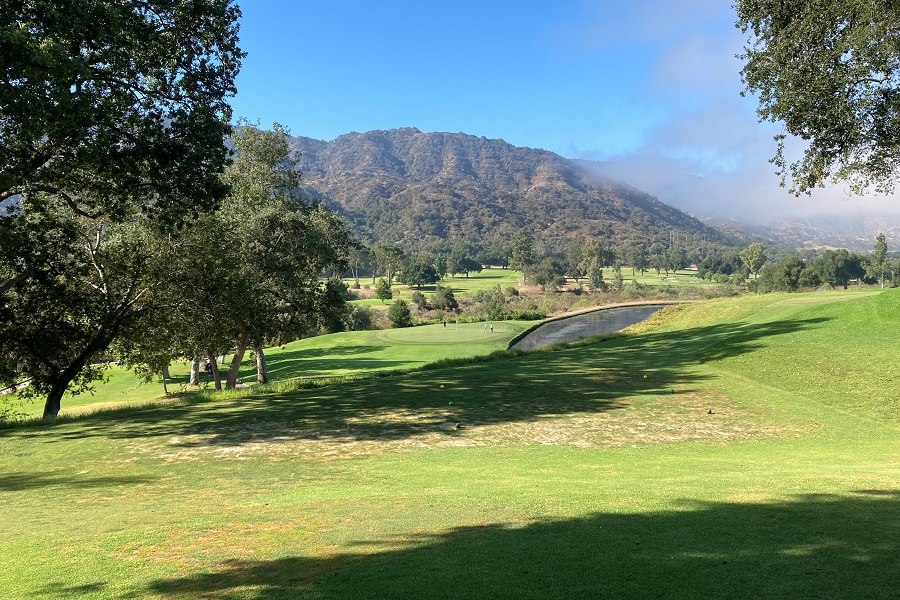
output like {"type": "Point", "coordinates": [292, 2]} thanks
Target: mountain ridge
{"type": "Point", "coordinates": [411, 187]}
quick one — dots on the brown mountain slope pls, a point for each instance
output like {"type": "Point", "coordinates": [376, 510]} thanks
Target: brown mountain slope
{"type": "Point", "coordinates": [416, 188]}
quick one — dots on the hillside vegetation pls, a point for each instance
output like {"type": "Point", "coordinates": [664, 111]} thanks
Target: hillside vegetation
{"type": "Point", "coordinates": [735, 448]}
{"type": "Point", "coordinates": [414, 188]}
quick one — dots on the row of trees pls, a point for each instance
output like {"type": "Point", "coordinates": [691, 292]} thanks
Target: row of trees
{"type": "Point", "coordinates": [582, 260]}
{"type": "Point", "coordinates": [226, 281]}
{"type": "Point", "coordinates": [417, 269]}
{"type": "Point", "coordinates": [834, 268]}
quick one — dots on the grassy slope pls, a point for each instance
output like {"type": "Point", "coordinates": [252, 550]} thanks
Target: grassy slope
{"type": "Point", "coordinates": [323, 356]}
{"type": "Point", "coordinates": [595, 471]}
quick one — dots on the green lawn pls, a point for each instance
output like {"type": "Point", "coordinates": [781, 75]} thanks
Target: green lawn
{"type": "Point", "coordinates": [486, 280]}
{"type": "Point", "coordinates": [461, 285]}
{"type": "Point", "coordinates": [681, 277]}
{"type": "Point", "coordinates": [350, 353]}
{"type": "Point", "coordinates": [740, 448]}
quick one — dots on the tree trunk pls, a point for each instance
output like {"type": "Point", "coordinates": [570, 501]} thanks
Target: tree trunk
{"type": "Point", "coordinates": [165, 387]}
{"type": "Point", "coordinates": [61, 383]}
{"type": "Point", "coordinates": [195, 371]}
{"type": "Point", "coordinates": [215, 370]}
{"type": "Point", "coordinates": [54, 400]}
{"type": "Point", "coordinates": [236, 360]}
{"type": "Point", "coordinates": [262, 370]}
{"type": "Point", "coordinates": [165, 373]}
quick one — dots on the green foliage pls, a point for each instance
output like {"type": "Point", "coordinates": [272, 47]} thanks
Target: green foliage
{"type": "Point", "coordinates": [383, 290]}
{"type": "Point", "coordinates": [754, 257]}
{"type": "Point", "coordinates": [839, 267]}
{"type": "Point", "coordinates": [418, 298]}
{"type": "Point", "coordinates": [522, 255]}
{"type": "Point", "coordinates": [117, 107]}
{"type": "Point", "coordinates": [359, 259]}
{"type": "Point", "coordinates": [388, 258]}
{"type": "Point", "coordinates": [723, 262]}
{"type": "Point", "coordinates": [113, 118]}
{"type": "Point", "coordinates": [360, 318]}
{"type": "Point", "coordinates": [788, 275]}
{"type": "Point", "coordinates": [879, 258]}
{"type": "Point", "coordinates": [418, 272]}
{"type": "Point", "coordinates": [826, 69]}
{"type": "Point", "coordinates": [492, 301]}
{"type": "Point", "coordinates": [399, 315]}
{"type": "Point", "coordinates": [549, 273]}
{"type": "Point", "coordinates": [467, 265]}
{"type": "Point", "coordinates": [56, 325]}
{"type": "Point", "coordinates": [444, 299]}
{"type": "Point", "coordinates": [593, 256]}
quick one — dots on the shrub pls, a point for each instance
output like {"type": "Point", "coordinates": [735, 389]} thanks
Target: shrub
{"type": "Point", "coordinates": [444, 299]}
{"type": "Point", "coordinates": [399, 314]}
{"type": "Point", "coordinates": [360, 318]}
{"type": "Point", "coordinates": [383, 290]}
{"type": "Point", "coordinates": [418, 299]}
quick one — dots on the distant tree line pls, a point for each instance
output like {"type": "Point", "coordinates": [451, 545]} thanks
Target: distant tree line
{"type": "Point", "coordinates": [597, 261]}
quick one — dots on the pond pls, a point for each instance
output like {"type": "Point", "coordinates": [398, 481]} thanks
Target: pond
{"type": "Point", "coordinates": [598, 322]}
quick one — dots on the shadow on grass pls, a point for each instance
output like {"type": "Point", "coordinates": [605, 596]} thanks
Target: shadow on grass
{"type": "Point", "coordinates": [316, 361]}
{"type": "Point", "coordinates": [27, 481]}
{"type": "Point", "coordinates": [816, 546]}
{"type": "Point", "coordinates": [590, 378]}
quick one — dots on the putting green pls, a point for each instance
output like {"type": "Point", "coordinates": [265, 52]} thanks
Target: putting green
{"type": "Point", "coordinates": [453, 333]}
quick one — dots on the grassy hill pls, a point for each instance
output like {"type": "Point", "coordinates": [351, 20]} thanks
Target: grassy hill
{"type": "Point", "coordinates": [739, 448]}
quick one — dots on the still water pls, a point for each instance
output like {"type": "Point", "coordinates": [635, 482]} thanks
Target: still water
{"type": "Point", "coordinates": [598, 322]}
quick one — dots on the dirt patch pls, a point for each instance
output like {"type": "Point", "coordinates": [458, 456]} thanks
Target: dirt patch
{"type": "Point", "coordinates": [680, 417]}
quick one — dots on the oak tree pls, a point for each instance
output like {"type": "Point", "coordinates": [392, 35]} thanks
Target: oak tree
{"type": "Point", "coordinates": [829, 70]}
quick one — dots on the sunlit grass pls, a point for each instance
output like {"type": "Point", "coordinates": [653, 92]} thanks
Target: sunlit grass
{"type": "Point", "coordinates": [732, 449]}
{"type": "Point", "coordinates": [326, 356]}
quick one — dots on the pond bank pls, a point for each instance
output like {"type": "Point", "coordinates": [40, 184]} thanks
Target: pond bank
{"type": "Point", "coordinates": [595, 321]}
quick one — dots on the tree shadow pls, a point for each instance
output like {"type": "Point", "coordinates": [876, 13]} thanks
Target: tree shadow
{"type": "Point", "coordinates": [813, 546]}
{"type": "Point", "coordinates": [318, 362]}
{"type": "Point", "coordinates": [60, 590]}
{"type": "Point", "coordinates": [592, 378]}
{"type": "Point", "coordinates": [16, 482]}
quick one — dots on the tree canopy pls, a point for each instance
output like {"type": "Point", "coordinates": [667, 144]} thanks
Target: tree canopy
{"type": "Point", "coordinates": [112, 119]}
{"type": "Point", "coordinates": [830, 71]}
{"type": "Point", "coordinates": [100, 98]}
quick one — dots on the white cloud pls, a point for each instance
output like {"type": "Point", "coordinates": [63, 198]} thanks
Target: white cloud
{"type": "Point", "coordinates": [710, 156]}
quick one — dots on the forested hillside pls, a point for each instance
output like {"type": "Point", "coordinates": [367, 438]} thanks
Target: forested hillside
{"type": "Point", "coordinates": [413, 188]}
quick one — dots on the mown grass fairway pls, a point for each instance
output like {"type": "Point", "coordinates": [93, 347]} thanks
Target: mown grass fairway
{"type": "Point", "coordinates": [461, 285]}
{"type": "Point", "coordinates": [742, 448]}
{"type": "Point", "coordinates": [325, 356]}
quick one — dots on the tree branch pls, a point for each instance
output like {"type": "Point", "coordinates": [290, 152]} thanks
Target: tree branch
{"type": "Point", "coordinates": [14, 281]}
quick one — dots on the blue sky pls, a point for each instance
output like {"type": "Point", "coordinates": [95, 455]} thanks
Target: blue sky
{"type": "Point", "coordinates": [650, 88]}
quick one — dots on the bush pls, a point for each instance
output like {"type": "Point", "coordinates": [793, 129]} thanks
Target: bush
{"type": "Point", "coordinates": [444, 299]}
{"type": "Point", "coordinates": [360, 318]}
{"type": "Point", "coordinates": [524, 315]}
{"type": "Point", "coordinates": [418, 299]}
{"type": "Point", "coordinates": [399, 315]}
{"type": "Point", "coordinates": [383, 290]}
{"type": "Point", "coordinates": [340, 288]}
